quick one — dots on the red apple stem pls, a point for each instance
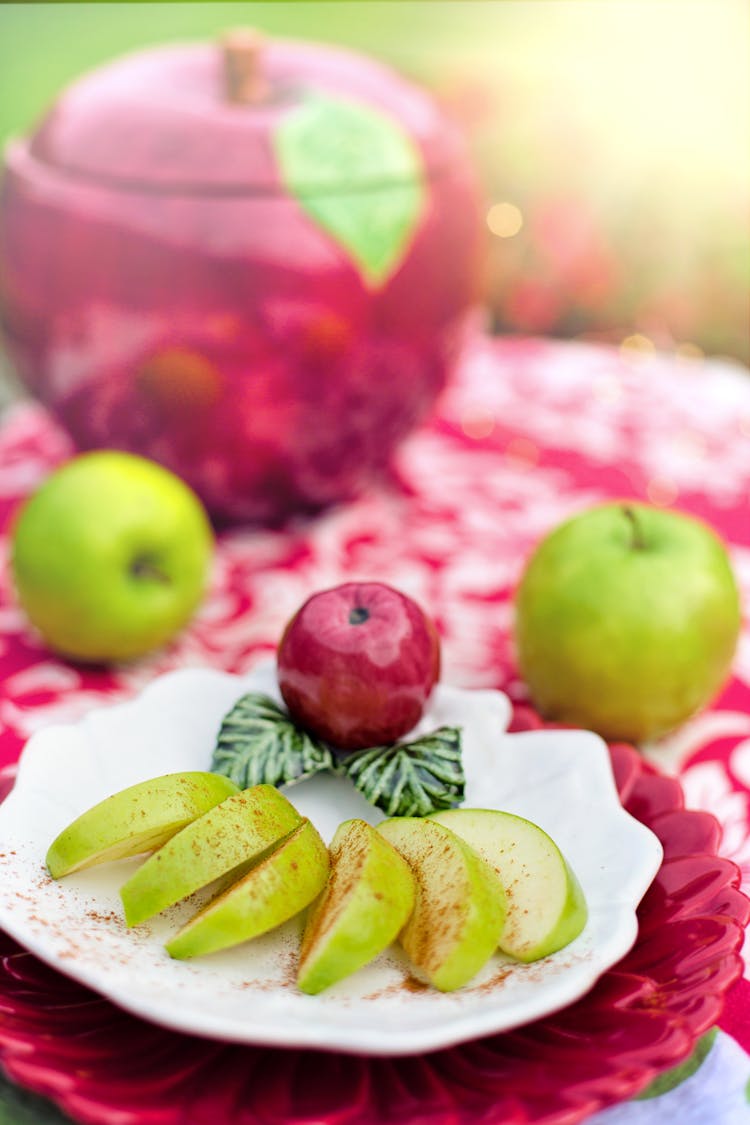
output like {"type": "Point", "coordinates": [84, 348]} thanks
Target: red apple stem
{"type": "Point", "coordinates": [244, 82]}
{"type": "Point", "coordinates": [637, 541]}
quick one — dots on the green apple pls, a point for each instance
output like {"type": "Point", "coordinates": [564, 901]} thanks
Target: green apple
{"type": "Point", "coordinates": [219, 844]}
{"type": "Point", "coordinates": [136, 820]}
{"type": "Point", "coordinates": [627, 619]}
{"type": "Point", "coordinates": [368, 898]}
{"type": "Point", "coordinates": [459, 910]}
{"type": "Point", "coordinates": [546, 908]}
{"type": "Point", "coordinates": [281, 885]}
{"type": "Point", "coordinates": [110, 556]}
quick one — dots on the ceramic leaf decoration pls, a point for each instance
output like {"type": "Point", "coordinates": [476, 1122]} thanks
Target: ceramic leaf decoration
{"type": "Point", "coordinates": [259, 744]}
{"type": "Point", "coordinates": [411, 778]}
{"type": "Point", "coordinates": [357, 175]}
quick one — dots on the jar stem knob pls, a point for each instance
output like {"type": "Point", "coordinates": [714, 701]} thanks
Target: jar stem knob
{"type": "Point", "coordinates": [244, 82]}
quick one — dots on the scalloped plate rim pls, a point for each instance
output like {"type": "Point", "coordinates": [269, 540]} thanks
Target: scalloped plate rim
{"type": "Point", "coordinates": [433, 1034]}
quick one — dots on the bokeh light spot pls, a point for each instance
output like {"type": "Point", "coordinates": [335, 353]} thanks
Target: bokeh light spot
{"type": "Point", "coordinates": [477, 425]}
{"type": "Point", "coordinates": [689, 351]}
{"type": "Point", "coordinates": [661, 492]}
{"type": "Point", "coordinates": [180, 381]}
{"type": "Point", "coordinates": [522, 452]}
{"type": "Point", "coordinates": [637, 345]}
{"type": "Point", "coordinates": [504, 219]}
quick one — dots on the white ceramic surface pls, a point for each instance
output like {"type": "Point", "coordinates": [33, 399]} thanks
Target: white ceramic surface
{"type": "Point", "coordinates": [560, 779]}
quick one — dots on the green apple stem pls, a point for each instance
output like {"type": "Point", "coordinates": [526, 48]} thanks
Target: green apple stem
{"type": "Point", "coordinates": [144, 567]}
{"type": "Point", "coordinates": [637, 541]}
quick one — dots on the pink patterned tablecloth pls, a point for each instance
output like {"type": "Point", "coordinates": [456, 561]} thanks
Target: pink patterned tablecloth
{"type": "Point", "coordinates": [529, 433]}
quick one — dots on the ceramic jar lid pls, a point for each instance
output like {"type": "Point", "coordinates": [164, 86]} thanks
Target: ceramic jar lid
{"type": "Point", "coordinates": [164, 119]}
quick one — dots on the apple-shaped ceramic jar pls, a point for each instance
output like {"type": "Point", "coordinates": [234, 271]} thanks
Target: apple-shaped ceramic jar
{"type": "Point", "coordinates": [251, 262]}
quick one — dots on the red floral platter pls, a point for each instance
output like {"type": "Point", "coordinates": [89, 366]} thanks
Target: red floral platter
{"type": "Point", "coordinates": [106, 1067]}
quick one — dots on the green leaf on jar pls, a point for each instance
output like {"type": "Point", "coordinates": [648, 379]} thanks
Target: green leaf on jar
{"type": "Point", "coordinates": [358, 175]}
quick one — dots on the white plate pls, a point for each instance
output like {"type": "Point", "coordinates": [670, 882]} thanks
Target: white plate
{"type": "Point", "coordinates": [561, 780]}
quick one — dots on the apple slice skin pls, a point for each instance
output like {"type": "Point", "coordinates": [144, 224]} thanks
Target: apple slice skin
{"type": "Point", "coordinates": [546, 904]}
{"type": "Point", "coordinates": [228, 836]}
{"type": "Point", "coordinates": [459, 910]}
{"type": "Point", "coordinates": [368, 898]}
{"type": "Point", "coordinates": [274, 890]}
{"type": "Point", "coordinates": [136, 820]}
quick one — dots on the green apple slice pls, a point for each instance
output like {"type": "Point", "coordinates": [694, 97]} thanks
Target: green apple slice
{"type": "Point", "coordinates": [136, 820]}
{"type": "Point", "coordinates": [459, 909]}
{"type": "Point", "coordinates": [281, 885]}
{"type": "Point", "coordinates": [369, 896]}
{"type": "Point", "coordinates": [546, 905]}
{"type": "Point", "coordinates": [219, 844]}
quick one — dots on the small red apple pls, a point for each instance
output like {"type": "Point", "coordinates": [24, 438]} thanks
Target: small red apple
{"type": "Point", "coordinates": [357, 663]}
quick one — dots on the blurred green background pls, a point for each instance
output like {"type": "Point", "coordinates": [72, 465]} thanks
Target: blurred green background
{"type": "Point", "coordinates": [610, 135]}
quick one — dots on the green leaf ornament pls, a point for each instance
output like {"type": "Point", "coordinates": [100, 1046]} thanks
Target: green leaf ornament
{"type": "Point", "coordinates": [411, 778]}
{"type": "Point", "coordinates": [358, 175]}
{"type": "Point", "coordinates": [259, 744]}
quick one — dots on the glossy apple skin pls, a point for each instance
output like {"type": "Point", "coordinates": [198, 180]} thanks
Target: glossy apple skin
{"type": "Point", "coordinates": [222, 332]}
{"type": "Point", "coordinates": [135, 820]}
{"type": "Point", "coordinates": [357, 663]}
{"type": "Point", "coordinates": [218, 845]}
{"type": "Point", "coordinates": [367, 901]}
{"type": "Point", "coordinates": [546, 906]}
{"type": "Point", "coordinates": [110, 557]}
{"type": "Point", "coordinates": [627, 620]}
{"type": "Point", "coordinates": [459, 908]}
{"type": "Point", "coordinates": [275, 889]}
